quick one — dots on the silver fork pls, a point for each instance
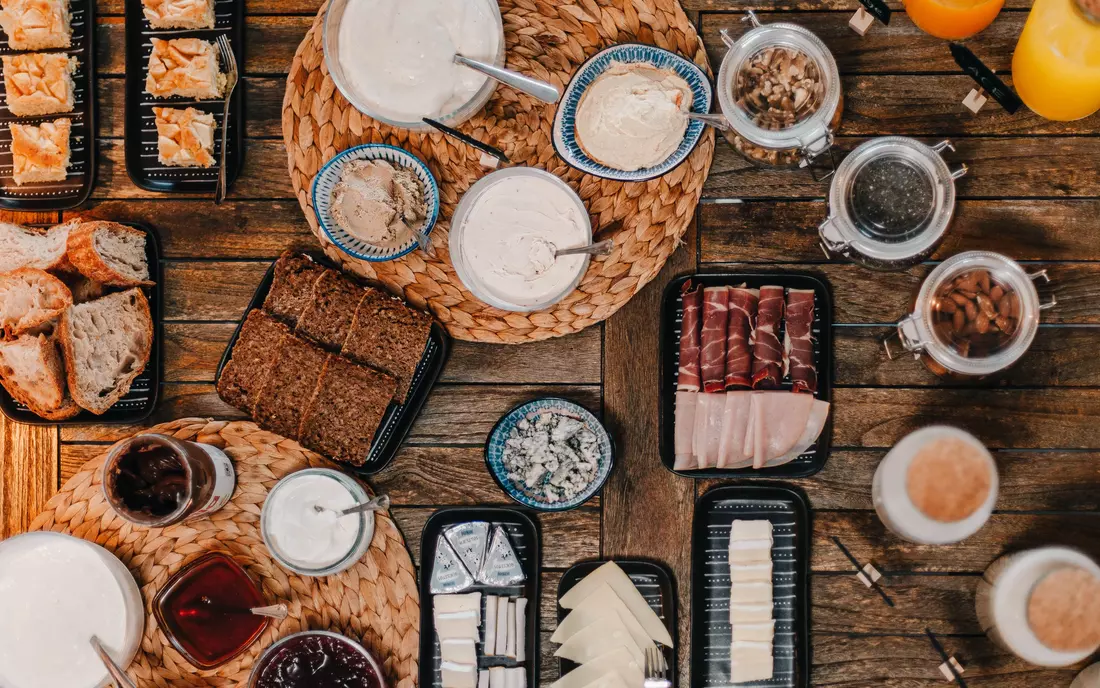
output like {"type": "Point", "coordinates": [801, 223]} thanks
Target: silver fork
{"type": "Point", "coordinates": [656, 669]}
{"type": "Point", "coordinates": [230, 61]}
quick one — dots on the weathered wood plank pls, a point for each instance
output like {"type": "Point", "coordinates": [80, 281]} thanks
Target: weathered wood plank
{"type": "Point", "coordinates": [842, 604]}
{"type": "Point", "coordinates": [210, 290]}
{"type": "Point", "coordinates": [716, 6]}
{"type": "Point", "coordinates": [176, 401]}
{"type": "Point", "coordinates": [28, 473]}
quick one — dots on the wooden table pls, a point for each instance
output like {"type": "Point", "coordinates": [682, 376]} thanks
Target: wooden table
{"type": "Point", "coordinates": [1033, 193]}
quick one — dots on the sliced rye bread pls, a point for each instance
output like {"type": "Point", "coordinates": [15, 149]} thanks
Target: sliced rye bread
{"type": "Point", "coordinates": [327, 319]}
{"type": "Point", "coordinates": [30, 298]}
{"type": "Point", "coordinates": [110, 253]}
{"type": "Point", "coordinates": [346, 410]}
{"type": "Point", "coordinates": [289, 386]}
{"type": "Point", "coordinates": [106, 343]}
{"type": "Point", "coordinates": [28, 247]}
{"type": "Point", "coordinates": [388, 335]}
{"type": "Point", "coordinates": [251, 360]}
{"type": "Point", "coordinates": [32, 372]}
{"type": "Point", "coordinates": [292, 286]}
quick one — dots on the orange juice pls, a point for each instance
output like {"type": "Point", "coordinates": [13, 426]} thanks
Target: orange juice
{"type": "Point", "coordinates": [953, 19]}
{"type": "Point", "coordinates": [1056, 66]}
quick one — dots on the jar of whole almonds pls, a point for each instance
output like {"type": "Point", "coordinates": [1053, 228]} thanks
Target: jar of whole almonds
{"type": "Point", "coordinates": [779, 90]}
{"type": "Point", "coordinates": [976, 314]}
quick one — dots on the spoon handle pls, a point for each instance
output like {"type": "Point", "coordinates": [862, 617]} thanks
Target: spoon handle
{"type": "Point", "coordinates": [117, 674]}
{"type": "Point", "coordinates": [379, 503]}
{"type": "Point", "coordinates": [600, 248]}
{"type": "Point", "coordinates": [717, 121]}
{"type": "Point", "coordinates": [275, 611]}
{"type": "Point", "coordinates": [545, 92]}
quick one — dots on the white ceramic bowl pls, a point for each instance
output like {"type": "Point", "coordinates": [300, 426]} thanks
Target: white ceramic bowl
{"type": "Point", "coordinates": [469, 275]}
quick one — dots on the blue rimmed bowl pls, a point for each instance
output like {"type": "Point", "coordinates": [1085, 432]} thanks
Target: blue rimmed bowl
{"type": "Point", "coordinates": [494, 452]}
{"type": "Point", "coordinates": [565, 133]}
{"type": "Point", "coordinates": [325, 181]}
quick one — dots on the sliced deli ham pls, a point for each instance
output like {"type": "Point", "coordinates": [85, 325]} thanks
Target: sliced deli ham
{"type": "Point", "coordinates": [686, 403]}
{"type": "Point", "coordinates": [779, 424]}
{"type": "Point", "coordinates": [798, 341]}
{"type": "Point", "coordinates": [707, 437]}
{"type": "Point", "coordinates": [735, 426]}
{"type": "Point", "coordinates": [742, 319]}
{"type": "Point", "coordinates": [712, 360]}
{"type": "Point", "coordinates": [819, 414]}
{"type": "Point", "coordinates": [688, 376]}
{"type": "Point", "coordinates": [767, 354]}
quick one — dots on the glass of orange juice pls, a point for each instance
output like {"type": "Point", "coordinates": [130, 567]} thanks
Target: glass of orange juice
{"type": "Point", "coordinates": [1056, 66]}
{"type": "Point", "coordinates": [953, 19]}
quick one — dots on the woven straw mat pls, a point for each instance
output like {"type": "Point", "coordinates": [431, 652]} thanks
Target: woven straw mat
{"type": "Point", "coordinates": [376, 601]}
{"type": "Point", "coordinates": [547, 40]}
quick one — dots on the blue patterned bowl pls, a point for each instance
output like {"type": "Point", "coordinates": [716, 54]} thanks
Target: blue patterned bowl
{"type": "Point", "coordinates": [325, 181]}
{"type": "Point", "coordinates": [564, 135]}
{"type": "Point", "coordinates": [494, 451]}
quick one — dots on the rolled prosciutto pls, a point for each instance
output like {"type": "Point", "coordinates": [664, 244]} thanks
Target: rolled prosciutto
{"type": "Point", "coordinates": [742, 319]}
{"type": "Point", "coordinates": [798, 341]}
{"type": "Point", "coordinates": [687, 379]}
{"type": "Point", "coordinates": [712, 359]}
{"type": "Point", "coordinates": [767, 353]}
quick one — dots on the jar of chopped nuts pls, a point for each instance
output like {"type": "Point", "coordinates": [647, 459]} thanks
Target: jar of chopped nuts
{"type": "Point", "coordinates": [779, 90]}
{"type": "Point", "coordinates": [976, 314]}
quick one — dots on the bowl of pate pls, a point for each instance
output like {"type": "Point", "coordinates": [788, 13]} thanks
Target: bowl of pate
{"type": "Point", "coordinates": [393, 60]}
{"type": "Point", "coordinates": [505, 232]}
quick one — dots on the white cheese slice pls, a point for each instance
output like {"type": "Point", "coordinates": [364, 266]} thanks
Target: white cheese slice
{"type": "Point", "coordinates": [483, 679]}
{"type": "Point", "coordinates": [502, 625]}
{"type": "Point", "coordinates": [611, 575]}
{"type": "Point", "coordinates": [618, 661]}
{"type": "Point", "coordinates": [750, 613]}
{"type": "Point", "coordinates": [450, 604]}
{"type": "Point", "coordinates": [751, 573]}
{"type": "Point", "coordinates": [458, 675]}
{"type": "Point", "coordinates": [751, 530]}
{"type": "Point", "coordinates": [516, 677]}
{"type": "Point", "coordinates": [751, 593]}
{"type": "Point", "coordinates": [489, 640]}
{"type": "Point", "coordinates": [461, 625]}
{"type": "Point", "coordinates": [510, 638]}
{"type": "Point", "coordinates": [521, 630]}
{"type": "Point", "coordinates": [458, 651]}
{"type": "Point", "coordinates": [603, 604]}
{"type": "Point", "coordinates": [762, 632]}
{"type": "Point", "coordinates": [750, 552]}
{"type": "Point", "coordinates": [599, 638]}
{"type": "Point", "coordinates": [497, 677]}
{"type": "Point", "coordinates": [750, 661]}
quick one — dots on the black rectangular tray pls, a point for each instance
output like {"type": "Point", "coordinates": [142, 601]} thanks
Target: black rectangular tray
{"type": "Point", "coordinates": [523, 532]}
{"type": "Point", "coordinates": [711, 633]}
{"type": "Point", "coordinates": [43, 196]}
{"type": "Point", "coordinates": [672, 312]}
{"type": "Point", "coordinates": [137, 404]}
{"type": "Point", "coordinates": [398, 419]}
{"type": "Point", "coordinates": [653, 580]}
{"type": "Point", "coordinates": [141, 132]}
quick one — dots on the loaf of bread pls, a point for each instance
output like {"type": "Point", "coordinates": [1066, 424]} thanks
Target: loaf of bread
{"type": "Point", "coordinates": [29, 299]}
{"type": "Point", "coordinates": [32, 372]}
{"type": "Point", "coordinates": [109, 253]}
{"type": "Point", "coordinates": [26, 247]}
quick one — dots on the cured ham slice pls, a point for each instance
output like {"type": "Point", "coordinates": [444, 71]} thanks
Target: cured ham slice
{"type": "Point", "coordinates": [687, 378]}
{"type": "Point", "coordinates": [742, 319]}
{"type": "Point", "coordinates": [798, 341]}
{"type": "Point", "coordinates": [767, 354]}
{"type": "Point", "coordinates": [735, 426]}
{"type": "Point", "coordinates": [780, 422]}
{"type": "Point", "coordinates": [819, 414]}
{"type": "Point", "coordinates": [709, 411]}
{"type": "Point", "coordinates": [686, 403]}
{"type": "Point", "coordinates": [712, 358]}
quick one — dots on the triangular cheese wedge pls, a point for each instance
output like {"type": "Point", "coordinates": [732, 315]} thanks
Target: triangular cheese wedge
{"type": "Point", "coordinates": [601, 605]}
{"type": "Point", "coordinates": [618, 662]}
{"type": "Point", "coordinates": [613, 576]}
{"type": "Point", "coordinates": [600, 638]}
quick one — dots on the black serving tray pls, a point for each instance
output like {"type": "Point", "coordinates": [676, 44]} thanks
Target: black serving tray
{"type": "Point", "coordinates": [398, 419]}
{"type": "Point", "coordinates": [44, 196]}
{"type": "Point", "coordinates": [672, 311]}
{"type": "Point", "coordinates": [139, 402]}
{"type": "Point", "coordinates": [524, 535]}
{"type": "Point", "coordinates": [141, 132]}
{"type": "Point", "coordinates": [711, 633]}
{"type": "Point", "coordinates": [652, 580]}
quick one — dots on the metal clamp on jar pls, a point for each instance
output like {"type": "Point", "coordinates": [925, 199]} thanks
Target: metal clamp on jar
{"type": "Point", "coordinates": [779, 90]}
{"type": "Point", "coordinates": [976, 314]}
{"type": "Point", "coordinates": [890, 203]}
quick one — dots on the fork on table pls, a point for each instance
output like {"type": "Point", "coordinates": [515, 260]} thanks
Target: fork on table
{"type": "Point", "coordinates": [656, 669]}
{"type": "Point", "coordinates": [230, 61]}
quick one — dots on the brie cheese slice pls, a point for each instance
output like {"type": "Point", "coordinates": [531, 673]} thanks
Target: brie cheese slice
{"type": "Point", "coordinates": [750, 613]}
{"type": "Point", "coordinates": [456, 625]}
{"type": "Point", "coordinates": [449, 604]}
{"type": "Point", "coordinates": [762, 631]}
{"type": "Point", "coordinates": [751, 593]}
{"type": "Point", "coordinates": [614, 577]}
{"type": "Point", "coordinates": [750, 661]}
{"type": "Point", "coordinates": [751, 573]}
{"type": "Point", "coordinates": [458, 675]}
{"type": "Point", "coordinates": [618, 662]}
{"type": "Point", "coordinates": [458, 651]}
{"type": "Point", "coordinates": [600, 638]}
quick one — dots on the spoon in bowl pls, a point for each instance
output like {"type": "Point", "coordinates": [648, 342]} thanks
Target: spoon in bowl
{"type": "Point", "coordinates": [547, 93]}
{"type": "Point", "coordinates": [379, 503]}
{"type": "Point", "coordinates": [117, 674]}
{"type": "Point", "coordinates": [206, 608]}
{"type": "Point", "coordinates": [600, 248]}
{"type": "Point", "coordinates": [717, 121]}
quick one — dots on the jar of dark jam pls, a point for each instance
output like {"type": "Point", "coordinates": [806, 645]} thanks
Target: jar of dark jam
{"type": "Point", "coordinates": [890, 203]}
{"type": "Point", "coordinates": [155, 480]}
{"type": "Point", "coordinates": [316, 659]}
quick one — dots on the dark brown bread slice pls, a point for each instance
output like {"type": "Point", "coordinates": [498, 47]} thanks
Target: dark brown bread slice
{"type": "Point", "coordinates": [292, 286]}
{"type": "Point", "coordinates": [252, 357]}
{"type": "Point", "coordinates": [388, 335]}
{"type": "Point", "coordinates": [346, 411]}
{"type": "Point", "coordinates": [289, 386]}
{"type": "Point", "coordinates": [327, 319]}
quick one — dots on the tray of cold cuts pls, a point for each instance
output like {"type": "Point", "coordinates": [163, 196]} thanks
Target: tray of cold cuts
{"type": "Point", "coordinates": [746, 375]}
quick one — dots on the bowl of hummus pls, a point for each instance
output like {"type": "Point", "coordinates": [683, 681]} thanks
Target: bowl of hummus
{"type": "Point", "coordinates": [372, 200]}
{"type": "Point", "coordinates": [624, 115]}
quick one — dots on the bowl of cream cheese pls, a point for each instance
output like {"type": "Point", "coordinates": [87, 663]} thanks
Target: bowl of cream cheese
{"type": "Point", "coordinates": [505, 232]}
{"type": "Point", "coordinates": [393, 60]}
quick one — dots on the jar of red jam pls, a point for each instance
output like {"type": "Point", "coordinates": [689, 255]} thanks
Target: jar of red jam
{"type": "Point", "coordinates": [155, 480]}
{"type": "Point", "coordinates": [316, 659]}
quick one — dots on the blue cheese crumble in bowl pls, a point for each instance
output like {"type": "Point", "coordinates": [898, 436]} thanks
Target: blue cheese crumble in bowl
{"type": "Point", "coordinates": [549, 454]}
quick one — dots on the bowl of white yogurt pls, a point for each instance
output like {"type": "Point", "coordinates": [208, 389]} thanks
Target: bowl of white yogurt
{"type": "Point", "coordinates": [56, 592]}
{"type": "Point", "coordinates": [505, 231]}
{"type": "Point", "coordinates": [393, 60]}
{"type": "Point", "coordinates": [313, 542]}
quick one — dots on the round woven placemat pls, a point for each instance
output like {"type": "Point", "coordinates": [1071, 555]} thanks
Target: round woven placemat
{"type": "Point", "coordinates": [547, 40]}
{"type": "Point", "coordinates": [376, 601]}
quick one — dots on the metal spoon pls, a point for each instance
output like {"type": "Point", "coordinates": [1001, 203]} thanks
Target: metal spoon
{"type": "Point", "coordinates": [600, 248]}
{"type": "Point", "coordinates": [547, 93]}
{"type": "Point", "coordinates": [207, 607]}
{"type": "Point", "coordinates": [717, 121]}
{"type": "Point", "coordinates": [379, 503]}
{"type": "Point", "coordinates": [117, 674]}
{"type": "Point", "coordinates": [423, 241]}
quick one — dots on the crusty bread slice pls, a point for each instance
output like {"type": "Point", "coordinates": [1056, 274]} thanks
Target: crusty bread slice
{"type": "Point", "coordinates": [27, 247]}
{"type": "Point", "coordinates": [33, 374]}
{"type": "Point", "coordinates": [29, 298]}
{"type": "Point", "coordinates": [107, 343]}
{"type": "Point", "coordinates": [110, 253]}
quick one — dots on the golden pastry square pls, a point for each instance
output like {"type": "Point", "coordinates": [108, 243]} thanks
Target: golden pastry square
{"type": "Point", "coordinates": [185, 138]}
{"type": "Point", "coordinates": [179, 14]}
{"type": "Point", "coordinates": [184, 67]}
{"type": "Point", "coordinates": [40, 153]}
{"type": "Point", "coordinates": [36, 24]}
{"type": "Point", "coordinates": [39, 83]}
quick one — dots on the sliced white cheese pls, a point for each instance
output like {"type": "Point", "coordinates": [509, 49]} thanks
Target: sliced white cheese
{"type": "Point", "coordinates": [750, 552]}
{"type": "Point", "coordinates": [599, 638]}
{"type": "Point", "coordinates": [483, 679]}
{"type": "Point", "coordinates": [489, 640]}
{"type": "Point", "coordinates": [750, 613]}
{"type": "Point", "coordinates": [497, 677]}
{"type": "Point", "coordinates": [510, 638]}
{"type": "Point", "coordinates": [502, 625]}
{"type": "Point", "coordinates": [458, 675]}
{"type": "Point", "coordinates": [751, 530]}
{"type": "Point", "coordinates": [451, 604]}
{"type": "Point", "coordinates": [750, 661]}
{"type": "Point", "coordinates": [611, 575]}
{"type": "Point", "coordinates": [458, 651]}
{"type": "Point", "coordinates": [462, 625]}
{"type": "Point", "coordinates": [617, 662]}
{"type": "Point", "coordinates": [516, 677]}
{"type": "Point", "coordinates": [751, 593]}
{"type": "Point", "coordinates": [762, 632]}
{"type": "Point", "coordinates": [603, 604]}
{"type": "Point", "coordinates": [751, 573]}
{"type": "Point", "coordinates": [521, 630]}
